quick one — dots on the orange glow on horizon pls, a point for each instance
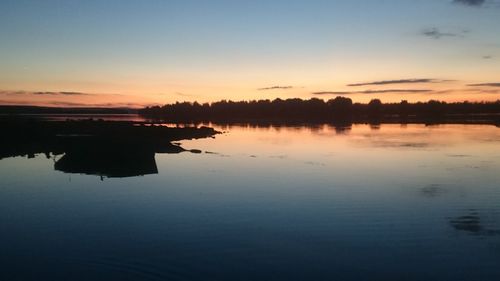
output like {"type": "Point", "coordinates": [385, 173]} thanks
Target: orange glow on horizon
{"type": "Point", "coordinates": [451, 91]}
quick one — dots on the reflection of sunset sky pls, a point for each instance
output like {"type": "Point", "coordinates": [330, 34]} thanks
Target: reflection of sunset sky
{"type": "Point", "coordinates": [358, 145]}
{"type": "Point", "coordinates": [134, 53]}
{"type": "Point", "coordinates": [367, 161]}
{"type": "Point", "coordinates": [267, 201]}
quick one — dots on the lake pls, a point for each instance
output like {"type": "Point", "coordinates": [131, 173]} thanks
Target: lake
{"type": "Point", "coordinates": [385, 202]}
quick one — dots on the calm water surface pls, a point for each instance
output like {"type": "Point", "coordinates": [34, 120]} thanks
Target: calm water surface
{"type": "Point", "coordinates": [389, 202]}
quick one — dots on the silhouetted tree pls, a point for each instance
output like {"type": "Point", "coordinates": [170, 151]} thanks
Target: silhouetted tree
{"type": "Point", "coordinates": [375, 107]}
{"type": "Point", "coordinates": [340, 106]}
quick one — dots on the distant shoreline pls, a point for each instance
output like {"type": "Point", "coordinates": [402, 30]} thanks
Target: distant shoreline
{"type": "Point", "coordinates": [340, 111]}
{"type": "Point", "coordinates": [32, 109]}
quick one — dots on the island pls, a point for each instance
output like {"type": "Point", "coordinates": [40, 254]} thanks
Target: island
{"type": "Point", "coordinates": [96, 147]}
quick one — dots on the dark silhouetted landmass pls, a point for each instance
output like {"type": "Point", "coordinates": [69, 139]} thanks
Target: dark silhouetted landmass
{"type": "Point", "coordinates": [111, 149]}
{"type": "Point", "coordinates": [338, 110]}
{"type": "Point", "coordinates": [21, 109]}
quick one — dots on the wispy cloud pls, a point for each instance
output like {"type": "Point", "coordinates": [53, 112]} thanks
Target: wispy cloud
{"type": "Point", "coordinates": [400, 81]}
{"type": "Point", "coordinates": [471, 3]}
{"type": "Point", "coordinates": [67, 99]}
{"type": "Point", "coordinates": [276, 88]}
{"type": "Point", "coordinates": [469, 91]}
{"type": "Point", "coordinates": [487, 57]}
{"type": "Point", "coordinates": [389, 91]}
{"type": "Point", "coordinates": [488, 91]}
{"type": "Point", "coordinates": [180, 94]}
{"type": "Point", "coordinates": [109, 104]}
{"type": "Point", "coordinates": [435, 33]}
{"type": "Point", "coordinates": [78, 104]}
{"type": "Point", "coordinates": [61, 93]}
{"type": "Point", "coordinates": [485, 85]}
{"type": "Point", "coordinates": [11, 93]}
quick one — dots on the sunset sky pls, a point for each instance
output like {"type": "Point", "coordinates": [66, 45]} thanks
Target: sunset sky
{"type": "Point", "coordinates": [136, 53]}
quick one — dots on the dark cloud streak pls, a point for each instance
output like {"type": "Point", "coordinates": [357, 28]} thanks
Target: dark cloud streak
{"type": "Point", "coordinates": [468, 90]}
{"type": "Point", "coordinates": [435, 33]}
{"type": "Point", "coordinates": [61, 93]}
{"type": "Point", "coordinates": [470, 3]}
{"type": "Point", "coordinates": [276, 88]}
{"type": "Point", "coordinates": [485, 85]}
{"type": "Point", "coordinates": [109, 104]}
{"type": "Point", "coordinates": [40, 93]}
{"type": "Point", "coordinates": [77, 104]}
{"type": "Point", "coordinates": [400, 81]}
{"type": "Point", "coordinates": [368, 92]}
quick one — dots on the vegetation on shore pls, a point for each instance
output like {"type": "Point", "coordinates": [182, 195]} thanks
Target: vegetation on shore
{"type": "Point", "coordinates": [337, 109]}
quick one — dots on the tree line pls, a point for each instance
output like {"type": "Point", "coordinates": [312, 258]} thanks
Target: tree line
{"type": "Point", "coordinates": [314, 109]}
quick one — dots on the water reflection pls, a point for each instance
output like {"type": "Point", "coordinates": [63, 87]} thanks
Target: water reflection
{"type": "Point", "coordinates": [108, 164]}
{"type": "Point", "coordinates": [288, 203]}
{"type": "Point", "coordinates": [104, 159]}
{"type": "Point", "coordinates": [433, 190]}
{"type": "Point", "coordinates": [473, 223]}
{"type": "Point", "coordinates": [470, 223]}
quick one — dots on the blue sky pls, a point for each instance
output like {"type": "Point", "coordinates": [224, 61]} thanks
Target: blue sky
{"type": "Point", "coordinates": [162, 51]}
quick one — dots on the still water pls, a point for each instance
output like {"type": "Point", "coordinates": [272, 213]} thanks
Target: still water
{"type": "Point", "coordinates": [385, 202]}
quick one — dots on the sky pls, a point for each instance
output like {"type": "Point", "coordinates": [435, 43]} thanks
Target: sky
{"type": "Point", "coordinates": [130, 53]}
